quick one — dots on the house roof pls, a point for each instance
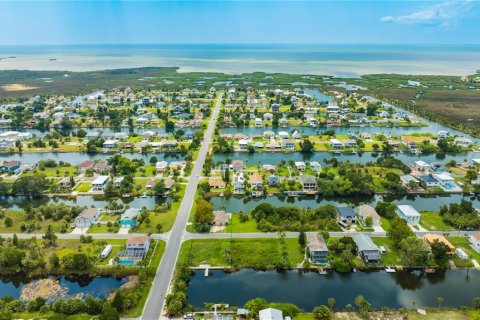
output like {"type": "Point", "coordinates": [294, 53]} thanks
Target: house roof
{"type": "Point", "coordinates": [316, 243]}
{"type": "Point", "coordinates": [100, 179]}
{"type": "Point", "coordinates": [428, 179]}
{"type": "Point", "coordinates": [306, 178]}
{"type": "Point", "coordinates": [365, 243]}
{"type": "Point", "coordinates": [138, 239]}
{"type": "Point", "coordinates": [346, 212]}
{"type": "Point", "coordinates": [220, 217]}
{"type": "Point", "coordinates": [408, 210]}
{"type": "Point", "coordinates": [255, 177]}
{"type": "Point", "coordinates": [237, 163]}
{"type": "Point", "coordinates": [270, 314]}
{"type": "Point", "coordinates": [88, 213]}
{"type": "Point", "coordinates": [431, 238]}
{"type": "Point", "coordinates": [216, 183]}
{"type": "Point", "coordinates": [366, 210]}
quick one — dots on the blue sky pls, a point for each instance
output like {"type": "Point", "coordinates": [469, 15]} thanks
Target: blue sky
{"type": "Point", "coordinates": [155, 22]}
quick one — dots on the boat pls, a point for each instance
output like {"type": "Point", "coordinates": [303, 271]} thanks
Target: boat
{"type": "Point", "coordinates": [429, 270]}
{"type": "Point", "coordinates": [143, 196]}
{"type": "Point", "coordinates": [390, 270]}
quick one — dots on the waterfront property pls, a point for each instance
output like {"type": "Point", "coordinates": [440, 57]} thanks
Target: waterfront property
{"type": "Point", "coordinates": [270, 314]}
{"type": "Point", "coordinates": [368, 251]}
{"type": "Point", "coordinates": [317, 248]}
{"type": "Point", "coordinates": [367, 211]}
{"type": "Point", "coordinates": [430, 239]}
{"type": "Point", "coordinates": [100, 183]}
{"type": "Point", "coordinates": [136, 249]}
{"type": "Point", "coordinates": [87, 218]}
{"type": "Point", "coordinates": [408, 213]}
{"type": "Point", "coordinates": [129, 218]}
{"type": "Point", "coordinates": [346, 216]}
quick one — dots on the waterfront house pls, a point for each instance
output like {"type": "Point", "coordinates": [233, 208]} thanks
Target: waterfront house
{"type": "Point", "coordinates": [137, 246]}
{"type": "Point", "coordinates": [308, 182]}
{"type": "Point", "coordinates": [422, 166]}
{"type": "Point", "coordinates": [315, 166]}
{"type": "Point", "coordinates": [256, 181]}
{"type": "Point", "coordinates": [408, 213]}
{"type": "Point", "coordinates": [432, 238]}
{"type": "Point", "coordinates": [101, 166]}
{"type": "Point", "coordinates": [410, 144]}
{"type": "Point", "coordinates": [463, 142]}
{"type": "Point", "coordinates": [447, 182]}
{"type": "Point", "coordinates": [283, 135]}
{"type": "Point", "coordinates": [243, 144]}
{"type": "Point", "coordinates": [275, 107]}
{"type": "Point", "coordinates": [150, 184]}
{"type": "Point", "coordinates": [346, 216]}
{"type": "Point", "coordinates": [270, 314]}
{"type": "Point", "coordinates": [148, 134]}
{"type": "Point", "coordinates": [366, 211]}
{"type": "Point", "coordinates": [109, 144]}
{"type": "Point", "coordinates": [221, 218]}
{"type": "Point", "coordinates": [100, 183]}
{"type": "Point", "coordinates": [317, 249]}
{"type": "Point", "coordinates": [216, 184]}
{"type": "Point", "coordinates": [64, 183]}
{"type": "Point", "coordinates": [312, 122]}
{"type": "Point", "coordinates": [11, 166]}
{"type": "Point", "coordinates": [129, 218]}
{"type": "Point", "coordinates": [85, 165]}
{"type": "Point", "coordinates": [273, 145]}
{"type": "Point", "coordinates": [288, 144]}
{"type": "Point", "coordinates": [239, 183]}
{"type": "Point", "coordinates": [273, 180]}
{"type": "Point", "coordinates": [161, 167]}
{"type": "Point", "coordinates": [87, 218]}
{"type": "Point", "coordinates": [283, 122]}
{"type": "Point", "coordinates": [442, 134]}
{"type": "Point", "coordinates": [267, 116]}
{"type": "Point", "coordinates": [237, 166]}
{"type": "Point", "coordinates": [475, 242]}
{"type": "Point", "coordinates": [406, 179]}
{"type": "Point", "coordinates": [117, 182]}
{"type": "Point", "coordinates": [336, 144]}
{"type": "Point", "coordinates": [300, 165]}
{"type": "Point", "coordinates": [268, 134]}
{"type": "Point", "coordinates": [430, 181]}
{"type": "Point", "coordinates": [368, 251]}
{"type": "Point", "coordinates": [258, 122]}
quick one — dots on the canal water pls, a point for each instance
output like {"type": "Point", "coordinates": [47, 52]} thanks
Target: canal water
{"type": "Point", "coordinates": [98, 287]}
{"type": "Point", "coordinates": [421, 203]}
{"type": "Point", "coordinates": [310, 289]}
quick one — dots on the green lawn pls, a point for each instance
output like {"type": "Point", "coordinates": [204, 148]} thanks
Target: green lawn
{"type": "Point", "coordinates": [83, 187]}
{"type": "Point", "coordinates": [390, 258]}
{"type": "Point", "coordinates": [19, 218]}
{"type": "Point", "coordinates": [236, 226]}
{"type": "Point", "coordinates": [463, 243]}
{"type": "Point", "coordinates": [110, 217]}
{"type": "Point", "coordinates": [385, 223]}
{"type": "Point", "coordinates": [433, 221]}
{"type": "Point", "coordinates": [239, 253]}
{"type": "Point", "coordinates": [102, 228]}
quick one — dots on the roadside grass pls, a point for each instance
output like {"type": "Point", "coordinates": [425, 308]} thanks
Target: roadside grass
{"type": "Point", "coordinates": [239, 253]}
{"type": "Point", "coordinates": [236, 226]}
{"type": "Point", "coordinates": [433, 221]}
{"type": "Point", "coordinates": [102, 228]}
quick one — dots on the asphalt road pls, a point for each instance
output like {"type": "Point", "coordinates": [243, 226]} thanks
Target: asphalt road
{"type": "Point", "coordinates": [155, 302]}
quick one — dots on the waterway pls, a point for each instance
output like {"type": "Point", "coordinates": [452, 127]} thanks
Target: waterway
{"type": "Point", "coordinates": [307, 290]}
{"type": "Point", "coordinates": [98, 287]}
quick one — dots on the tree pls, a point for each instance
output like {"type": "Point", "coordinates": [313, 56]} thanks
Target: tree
{"type": "Point", "coordinates": [362, 304]}
{"type": "Point", "coordinates": [398, 231]}
{"type": "Point", "coordinates": [368, 222]}
{"type": "Point", "coordinates": [226, 176]}
{"type": "Point", "coordinates": [50, 236]}
{"type": "Point", "coordinates": [440, 251]}
{"type": "Point", "coordinates": [109, 313]}
{"type": "Point", "coordinates": [255, 305]}
{"type": "Point", "coordinates": [153, 160]}
{"type": "Point", "coordinates": [118, 301]}
{"type": "Point", "coordinates": [414, 252]}
{"type": "Point", "coordinates": [77, 261]}
{"type": "Point", "coordinates": [331, 302]}
{"type": "Point", "coordinates": [306, 146]}
{"type": "Point", "coordinates": [302, 239]}
{"type": "Point", "coordinates": [203, 213]}
{"type": "Point", "coordinates": [159, 188]}
{"type": "Point", "coordinates": [15, 240]}
{"type": "Point", "coordinates": [322, 313]}
{"type": "Point", "coordinates": [8, 222]}
{"type": "Point", "coordinates": [476, 302]}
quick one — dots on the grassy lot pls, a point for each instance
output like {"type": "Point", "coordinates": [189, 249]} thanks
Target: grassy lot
{"type": "Point", "coordinates": [110, 217]}
{"type": "Point", "coordinates": [433, 221]}
{"type": "Point", "coordinates": [385, 223]}
{"type": "Point", "coordinates": [236, 226]}
{"type": "Point", "coordinates": [239, 253]}
{"type": "Point", "coordinates": [102, 228]}
{"type": "Point", "coordinates": [83, 187]}
{"type": "Point", "coordinates": [432, 314]}
{"type": "Point", "coordinates": [19, 218]}
{"type": "Point", "coordinates": [390, 258]}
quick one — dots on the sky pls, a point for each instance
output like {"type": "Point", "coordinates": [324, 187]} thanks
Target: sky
{"type": "Point", "coordinates": [238, 22]}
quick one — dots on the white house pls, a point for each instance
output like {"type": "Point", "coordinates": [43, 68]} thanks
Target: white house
{"type": "Point", "coordinates": [421, 166]}
{"type": "Point", "coordinates": [239, 183]}
{"type": "Point", "coordinates": [300, 165]}
{"type": "Point", "coordinates": [475, 242]}
{"type": "Point", "coordinates": [408, 213]}
{"type": "Point", "coordinates": [442, 134]}
{"type": "Point", "coordinates": [462, 142]}
{"type": "Point", "coordinates": [109, 144]}
{"type": "Point", "coordinates": [87, 218]}
{"type": "Point", "coordinates": [270, 314]}
{"type": "Point", "coordinates": [137, 246]}
{"type": "Point", "coordinates": [283, 135]}
{"type": "Point", "coordinates": [258, 122]}
{"type": "Point", "coordinates": [100, 183]}
{"type": "Point", "coordinates": [336, 144]}
{"type": "Point", "coordinates": [118, 182]}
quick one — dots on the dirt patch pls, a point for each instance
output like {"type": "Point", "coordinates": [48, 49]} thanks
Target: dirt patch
{"type": "Point", "coordinates": [17, 87]}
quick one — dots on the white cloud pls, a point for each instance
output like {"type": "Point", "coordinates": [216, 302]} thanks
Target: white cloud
{"type": "Point", "coordinates": [439, 14]}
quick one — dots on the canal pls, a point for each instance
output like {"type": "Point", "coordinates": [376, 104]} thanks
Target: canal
{"type": "Point", "coordinates": [310, 289]}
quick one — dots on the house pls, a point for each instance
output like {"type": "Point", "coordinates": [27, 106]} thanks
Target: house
{"type": "Point", "coordinates": [217, 184]}
{"type": "Point", "coordinates": [336, 144]}
{"type": "Point", "coordinates": [475, 242]}
{"type": "Point", "coordinates": [256, 181]}
{"type": "Point", "coordinates": [243, 144]}
{"type": "Point", "coordinates": [368, 251]}
{"type": "Point", "coordinates": [447, 182]}
{"type": "Point", "coordinates": [300, 165]}
{"type": "Point", "coordinates": [101, 166]}
{"type": "Point", "coordinates": [87, 218]}
{"type": "Point", "coordinates": [150, 184]}
{"type": "Point", "coordinates": [258, 122]}
{"type": "Point", "coordinates": [408, 213]}
{"type": "Point", "coordinates": [430, 181]}
{"type": "Point", "coordinates": [100, 183]}
{"type": "Point", "coordinates": [237, 166]}
{"type": "Point", "coordinates": [422, 166]}
{"type": "Point", "coordinates": [137, 246]}
{"type": "Point", "coordinates": [442, 134]}
{"type": "Point", "coordinates": [283, 122]}
{"type": "Point", "coordinates": [161, 167]}
{"type": "Point", "coordinates": [64, 183]}
{"type": "Point", "coordinates": [432, 238]}
{"type": "Point", "coordinates": [462, 142]}
{"type": "Point", "coordinates": [85, 165]}
{"type": "Point", "coordinates": [273, 180]}
{"type": "Point", "coordinates": [275, 107]}
{"type": "Point", "coordinates": [410, 144]}
{"type": "Point", "coordinates": [315, 166]}
{"type": "Point", "coordinates": [118, 182]}
{"type": "Point", "coordinates": [268, 134]}
{"type": "Point", "coordinates": [346, 216]}
{"type": "Point", "coordinates": [109, 144]}
{"type": "Point", "coordinates": [406, 179]}
{"type": "Point", "coordinates": [308, 182]}
{"type": "Point", "coordinates": [148, 134]}
{"type": "Point", "coordinates": [312, 122]}
{"type": "Point", "coordinates": [366, 211]}
{"type": "Point", "coordinates": [267, 116]}
{"type": "Point", "coordinates": [270, 314]}
{"type": "Point", "coordinates": [11, 166]}
{"type": "Point", "coordinates": [239, 183]}
{"type": "Point", "coordinates": [317, 248]}
{"type": "Point", "coordinates": [92, 135]}
{"type": "Point", "coordinates": [283, 135]}
{"type": "Point", "coordinates": [129, 218]}
{"type": "Point", "coordinates": [288, 144]}
{"type": "Point", "coordinates": [221, 218]}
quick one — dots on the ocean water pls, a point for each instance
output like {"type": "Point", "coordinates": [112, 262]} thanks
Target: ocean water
{"type": "Point", "coordinates": [338, 60]}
